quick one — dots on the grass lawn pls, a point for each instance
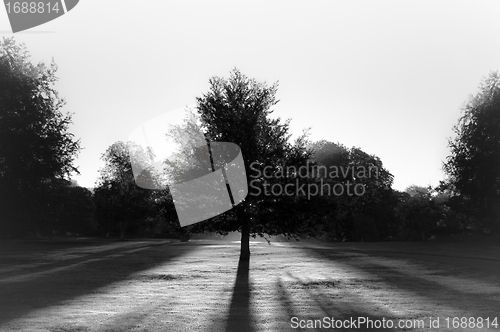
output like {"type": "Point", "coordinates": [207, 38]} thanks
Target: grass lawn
{"type": "Point", "coordinates": [164, 285]}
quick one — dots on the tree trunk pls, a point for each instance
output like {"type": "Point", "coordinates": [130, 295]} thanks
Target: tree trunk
{"type": "Point", "coordinates": [245, 240]}
{"type": "Point", "coordinates": [122, 231]}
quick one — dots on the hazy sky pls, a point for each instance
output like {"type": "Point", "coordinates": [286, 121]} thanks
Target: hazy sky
{"type": "Point", "coordinates": [389, 77]}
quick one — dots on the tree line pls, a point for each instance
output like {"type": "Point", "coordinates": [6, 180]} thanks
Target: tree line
{"type": "Point", "coordinates": [37, 154]}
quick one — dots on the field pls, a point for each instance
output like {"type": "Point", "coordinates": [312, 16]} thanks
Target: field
{"type": "Point", "coordinates": [166, 285]}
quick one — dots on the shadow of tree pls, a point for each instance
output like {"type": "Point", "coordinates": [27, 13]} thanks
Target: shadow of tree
{"type": "Point", "coordinates": [239, 316]}
{"type": "Point", "coordinates": [452, 290]}
{"type": "Point", "coordinates": [284, 298]}
{"type": "Point", "coordinates": [330, 309]}
{"type": "Point", "coordinates": [80, 276]}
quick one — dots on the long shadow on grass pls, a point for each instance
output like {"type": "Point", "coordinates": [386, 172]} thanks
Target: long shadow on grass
{"type": "Point", "coordinates": [330, 308]}
{"type": "Point", "coordinates": [81, 276]}
{"type": "Point", "coordinates": [459, 296]}
{"type": "Point", "coordinates": [239, 317]}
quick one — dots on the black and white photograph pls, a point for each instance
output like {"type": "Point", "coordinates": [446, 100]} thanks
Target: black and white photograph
{"type": "Point", "coordinates": [249, 166]}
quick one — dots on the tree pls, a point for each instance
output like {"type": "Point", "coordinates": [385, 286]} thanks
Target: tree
{"type": "Point", "coordinates": [473, 167]}
{"type": "Point", "coordinates": [420, 213]}
{"type": "Point", "coordinates": [121, 205]}
{"type": "Point", "coordinates": [35, 144]}
{"type": "Point", "coordinates": [237, 110]}
{"type": "Point", "coordinates": [415, 190]}
{"type": "Point", "coordinates": [70, 208]}
{"type": "Point", "coordinates": [360, 206]}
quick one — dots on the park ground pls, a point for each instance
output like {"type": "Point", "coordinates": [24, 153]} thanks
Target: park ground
{"type": "Point", "coordinates": [165, 285]}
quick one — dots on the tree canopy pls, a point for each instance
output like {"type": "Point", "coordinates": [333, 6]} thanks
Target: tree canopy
{"type": "Point", "coordinates": [35, 143]}
{"type": "Point", "coordinates": [474, 164]}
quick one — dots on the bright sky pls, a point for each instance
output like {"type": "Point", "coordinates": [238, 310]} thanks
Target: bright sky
{"type": "Point", "coordinates": [389, 77]}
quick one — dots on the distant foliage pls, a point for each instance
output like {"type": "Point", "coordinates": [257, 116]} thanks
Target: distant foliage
{"type": "Point", "coordinates": [69, 209]}
{"type": "Point", "coordinates": [122, 207]}
{"type": "Point", "coordinates": [366, 215]}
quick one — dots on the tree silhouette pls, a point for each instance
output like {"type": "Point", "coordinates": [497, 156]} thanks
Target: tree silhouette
{"type": "Point", "coordinates": [237, 110]}
{"type": "Point", "coordinates": [35, 144]}
{"type": "Point", "coordinates": [474, 164]}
